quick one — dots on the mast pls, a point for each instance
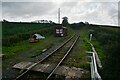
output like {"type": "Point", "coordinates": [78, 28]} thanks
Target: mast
{"type": "Point", "coordinates": [59, 16]}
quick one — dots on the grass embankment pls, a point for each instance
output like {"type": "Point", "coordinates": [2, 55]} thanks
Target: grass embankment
{"type": "Point", "coordinates": [106, 42]}
{"type": "Point", "coordinates": [78, 57]}
{"type": "Point", "coordinates": [14, 32]}
{"type": "Point", "coordinates": [98, 47]}
{"type": "Point", "coordinates": [109, 40]}
{"type": "Point", "coordinates": [15, 35]}
{"type": "Point", "coordinates": [50, 40]}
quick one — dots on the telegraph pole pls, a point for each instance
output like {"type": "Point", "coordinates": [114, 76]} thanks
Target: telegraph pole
{"type": "Point", "coordinates": [59, 16]}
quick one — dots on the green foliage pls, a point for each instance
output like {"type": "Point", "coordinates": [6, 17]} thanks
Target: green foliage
{"type": "Point", "coordinates": [107, 43]}
{"type": "Point", "coordinates": [20, 46]}
{"type": "Point", "coordinates": [65, 21]}
{"type": "Point", "coordinates": [12, 28]}
{"type": "Point", "coordinates": [110, 40]}
{"type": "Point", "coordinates": [79, 26]}
{"type": "Point", "coordinates": [16, 32]}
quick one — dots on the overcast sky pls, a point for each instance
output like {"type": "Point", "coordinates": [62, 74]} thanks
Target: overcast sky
{"type": "Point", "coordinates": [92, 11]}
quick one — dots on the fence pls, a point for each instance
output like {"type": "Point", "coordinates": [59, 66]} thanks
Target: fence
{"type": "Point", "coordinates": [94, 73]}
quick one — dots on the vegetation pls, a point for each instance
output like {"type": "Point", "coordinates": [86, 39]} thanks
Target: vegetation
{"type": "Point", "coordinates": [15, 39]}
{"type": "Point", "coordinates": [77, 57]}
{"type": "Point", "coordinates": [110, 40]}
{"type": "Point", "coordinates": [15, 32]}
{"type": "Point", "coordinates": [107, 42]}
{"type": "Point", "coordinates": [65, 21]}
{"type": "Point", "coordinates": [105, 39]}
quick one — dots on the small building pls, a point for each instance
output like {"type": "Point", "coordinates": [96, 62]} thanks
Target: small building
{"type": "Point", "coordinates": [60, 31]}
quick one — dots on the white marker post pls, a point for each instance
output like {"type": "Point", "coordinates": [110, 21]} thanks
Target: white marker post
{"type": "Point", "coordinates": [90, 37]}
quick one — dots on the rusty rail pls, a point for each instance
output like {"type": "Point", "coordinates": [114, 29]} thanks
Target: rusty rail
{"type": "Point", "coordinates": [30, 67]}
{"type": "Point", "coordinates": [63, 58]}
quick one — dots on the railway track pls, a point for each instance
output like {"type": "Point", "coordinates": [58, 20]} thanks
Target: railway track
{"type": "Point", "coordinates": [56, 57]}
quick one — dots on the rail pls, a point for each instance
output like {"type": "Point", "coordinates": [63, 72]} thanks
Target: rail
{"type": "Point", "coordinates": [32, 66]}
{"type": "Point", "coordinates": [62, 58]}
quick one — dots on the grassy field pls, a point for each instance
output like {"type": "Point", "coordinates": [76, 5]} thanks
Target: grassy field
{"type": "Point", "coordinates": [13, 28]}
{"type": "Point", "coordinates": [77, 56]}
{"type": "Point", "coordinates": [25, 51]}
{"type": "Point", "coordinates": [105, 40]}
{"type": "Point", "coordinates": [14, 32]}
{"type": "Point", "coordinates": [29, 28]}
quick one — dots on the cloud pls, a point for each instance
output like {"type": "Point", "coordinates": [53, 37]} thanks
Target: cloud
{"type": "Point", "coordinates": [26, 9]}
{"type": "Point", "coordinates": [104, 13]}
{"type": "Point", "coordinates": [0, 11]}
{"type": "Point", "coordinates": [93, 12]}
{"type": "Point", "coordinates": [119, 13]}
{"type": "Point", "coordinates": [59, 1]}
{"type": "Point", "coordinates": [76, 11]}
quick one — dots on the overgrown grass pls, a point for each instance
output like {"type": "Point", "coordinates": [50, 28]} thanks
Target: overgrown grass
{"type": "Point", "coordinates": [77, 57]}
{"type": "Point", "coordinates": [14, 32]}
{"type": "Point", "coordinates": [99, 48]}
{"type": "Point", "coordinates": [107, 45]}
{"type": "Point", "coordinates": [49, 41]}
{"type": "Point", "coordinates": [100, 51]}
{"type": "Point", "coordinates": [12, 28]}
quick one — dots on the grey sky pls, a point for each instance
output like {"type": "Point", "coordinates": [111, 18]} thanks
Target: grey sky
{"type": "Point", "coordinates": [119, 13]}
{"type": "Point", "coordinates": [77, 11]}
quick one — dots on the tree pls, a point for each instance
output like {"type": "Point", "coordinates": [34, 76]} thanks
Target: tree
{"type": "Point", "coordinates": [5, 20]}
{"type": "Point", "coordinates": [65, 21]}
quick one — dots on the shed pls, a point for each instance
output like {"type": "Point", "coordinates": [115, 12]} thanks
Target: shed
{"type": "Point", "coordinates": [60, 31]}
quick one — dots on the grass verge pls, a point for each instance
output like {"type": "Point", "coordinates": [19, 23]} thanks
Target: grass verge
{"type": "Point", "coordinates": [37, 47]}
